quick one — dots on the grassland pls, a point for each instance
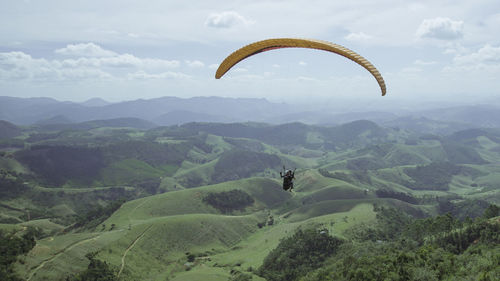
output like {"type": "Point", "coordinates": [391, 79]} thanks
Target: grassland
{"type": "Point", "coordinates": [168, 232]}
{"type": "Point", "coordinates": [164, 227]}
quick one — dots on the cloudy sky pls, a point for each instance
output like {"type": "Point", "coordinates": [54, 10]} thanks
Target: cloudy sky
{"type": "Point", "coordinates": [131, 49]}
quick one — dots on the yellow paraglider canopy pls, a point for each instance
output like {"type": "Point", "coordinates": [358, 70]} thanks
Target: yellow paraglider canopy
{"type": "Point", "coordinates": [277, 43]}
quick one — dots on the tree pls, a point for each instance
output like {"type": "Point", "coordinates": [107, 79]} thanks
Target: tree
{"type": "Point", "coordinates": [491, 212]}
{"type": "Point", "coordinates": [296, 255]}
{"type": "Point", "coordinates": [11, 246]}
{"type": "Point", "coordinates": [97, 270]}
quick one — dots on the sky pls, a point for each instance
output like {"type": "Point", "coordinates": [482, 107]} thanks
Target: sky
{"type": "Point", "coordinates": [125, 50]}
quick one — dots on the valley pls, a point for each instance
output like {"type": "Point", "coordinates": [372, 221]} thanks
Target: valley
{"type": "Point", "coordinates": [137, 198]}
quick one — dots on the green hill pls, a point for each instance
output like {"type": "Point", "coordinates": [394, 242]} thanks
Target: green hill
{"type": "Point", "coordinates": [204, 200]}
{"type": "Point", "coordinates": [9, 130]}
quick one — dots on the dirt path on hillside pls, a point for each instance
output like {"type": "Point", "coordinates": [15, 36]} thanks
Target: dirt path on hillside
{"type": "Point", "coordinates": [137, 207]}
{"type": "Point", "coordinates": [130, 248]}
{"type": "Point", "coordinates": [62, 251]}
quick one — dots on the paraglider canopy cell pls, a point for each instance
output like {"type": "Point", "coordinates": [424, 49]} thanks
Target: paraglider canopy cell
{"type": "Point", "coordinates": [279, 43]}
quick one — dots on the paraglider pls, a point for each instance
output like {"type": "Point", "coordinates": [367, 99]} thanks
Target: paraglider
{"type": "Point", "coordinates": [278, 43]}
{"type": "Point", "coordinates": [288, 176]}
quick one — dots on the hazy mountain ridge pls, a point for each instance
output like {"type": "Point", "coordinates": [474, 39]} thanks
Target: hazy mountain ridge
{"type": "Point", "coordinates": [479, 115]}
{"type": "Point", "coordinates": [173, 110]}
{"type": "Point", "coordinates": [29, 111]}
{"type": "Point", "coordinates": [184, 116]}
{"type": "Point", "coordinates": [95, 102]}
{"type": "Point", "coordinates": [125, 122]}
{"type": "Point", "coordinates": [9, 130]}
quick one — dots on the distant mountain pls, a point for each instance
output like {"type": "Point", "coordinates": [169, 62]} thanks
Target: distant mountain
{"type": "Point", "coordinates": [95, 102]}
{"type": "Point", "coordinates": [425, 125]}
{"type": "Point", "coordinates": [8, 130]}
{"type": "Point", "coordinates": [115, 123]}
{"type": "Point", "coordinates": [306, 117]}
{"type": "Point", "coordinates": [328, 118]}
{"type": "Point", "coordinates": [29, 111]}
{"type": "Point", "coordinates": [374, 116]}
{"type": "Point", "coordinates": [476, 115]}
{"type": "Point", "coordinates": [184, 116]}
{"type": "Point", "coordinates": [173, 110]}
{"type": "Point", "coordinates": [351, 134]}
{"type": "Point", "coordinates": [58, 119]}
{"type": "Point", "coordinates": [470, 136]}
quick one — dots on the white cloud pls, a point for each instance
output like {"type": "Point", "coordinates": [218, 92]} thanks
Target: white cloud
{"type": "Point", "coordinates": [142, 75]}
{"type": "Point", "coordinates": [486, 61]}
{"type": "Point", "coordinates": [240, 70]}
{"type": "Point", "coordinates": [21, 66]}
{"type": "Point", "coordinates": [276, 66]}
{"type": "Point", "coordinates": [411, 70]}
{"type": "Point", "coordinates": [226, 19]}
{"type": "Point", "coordinates": [18, 65]}
{"type": "Point", "coordinates": [306, 79]}
{"type": "Point", "coordinates": [456, 49]}
{"type": "Point", "coordinates": [82, 74]}
{"type": "Point", "coordinates": [441, 28]}
{"type": "Point", "coordinates": [85, 50]}
{"type": "Point", "coordinates": [424, 63]}
{"type": "Point", "coordinates": [359, 36]}
{"type": "Point", "coordinates": [121, 61]}
{"type": "Point", "coordinates": [195, 63]}
{"type": "Point", "coordinates": [486, 55]}
{"type": "Point", "coordinates": [302, 63]}
{"type": "Point", "coordinates": [93, 65]}
{"type": "Point", "coordinates": [92, 55]}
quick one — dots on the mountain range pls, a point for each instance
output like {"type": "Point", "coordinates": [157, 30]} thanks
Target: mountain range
{"type": "Point", "coordinates": [167, 111]}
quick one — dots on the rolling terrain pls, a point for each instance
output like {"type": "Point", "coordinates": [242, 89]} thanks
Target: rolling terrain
{"type": "Point", "coordinates": [138, 197]}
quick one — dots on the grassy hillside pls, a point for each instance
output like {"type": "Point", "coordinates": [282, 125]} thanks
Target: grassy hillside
{"type": "Point", "coordinates": [173, 223]}
{"type": "Point", "coordinates": [63, 183]}
{"type": "Point", "coordinates": [9, 130]}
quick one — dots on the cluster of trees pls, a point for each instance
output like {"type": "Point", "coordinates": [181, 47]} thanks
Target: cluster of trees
{"type": "Point", "coordinates": [434, 176]}
{"type": "Point", "coordinates": [388, 262]}
{"type": "Point", "coordinates": [11, 185]}
{"type": "Point", "coordinates": [150, 186]}
{"type": "Point", "coordinates": [365, 163]}
{"type": "Point", "coordinates": [491, 212]}
{"type": "Point", "coordinates": [96, 216]}
{"type": "Point", "coordinates": [8, 143]}
{"type": "Point", "coordinates": [462, 209]}
{"type": "Point", "coordinates": [58, 164]}
{"type": "Point", "coordinates": [461, 154]}
{"type": "Point", "coordinates": [349, 134]}
{"type": "Point", "coordinates": [97, 270]}
{"type": "Point", "coordinates": [354, 176]}
{"type": "Point", "coordinates": [9, 130]}
{"type": "Point", "coordinates": [11, 246]}
{"type": "Point", "coordinates": [236, 164]}
{"type": "Point", "coordinates": [228, 201]}
{"type": "Point", "coordinates": [285, 134]}
{"type": "Point", "coordinates": [296, 255]}
{"type": "Point", "coordinates": [406, 197]}
{"type": "Point", "coordinates": [150, 152]}
{"type": "Point", "coordinates": [396, 247]}
{"type": "Point", "coordinates": [245, 144]}
{"type": "Point", "coordinates": [400, 247]}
